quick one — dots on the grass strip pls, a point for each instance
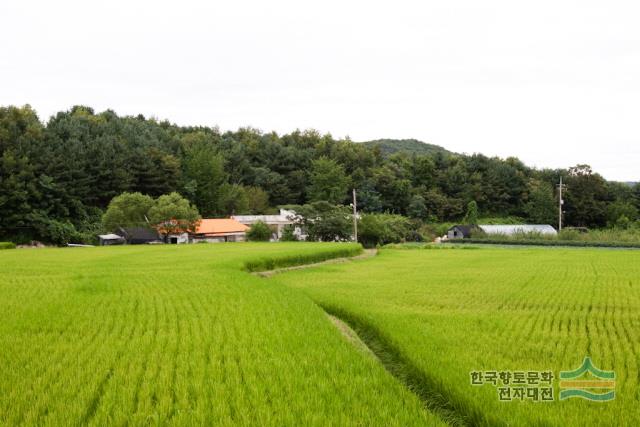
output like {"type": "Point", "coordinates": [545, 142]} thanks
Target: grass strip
{"type": "Point", "coordinates": [273, 262]}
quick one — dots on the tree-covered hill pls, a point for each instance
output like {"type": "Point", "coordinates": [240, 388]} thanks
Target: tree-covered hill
{"type": "Point", "coordinates": [57, 178]}
{"type": "Point", "coordinates": [407, 146]}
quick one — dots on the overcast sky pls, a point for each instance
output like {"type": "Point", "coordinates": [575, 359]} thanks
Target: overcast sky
{"type": "Point", "coordinates": [554, 83]}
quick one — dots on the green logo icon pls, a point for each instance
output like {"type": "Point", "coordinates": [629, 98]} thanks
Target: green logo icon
{"type": "Point", "coordinates": [595, 384]}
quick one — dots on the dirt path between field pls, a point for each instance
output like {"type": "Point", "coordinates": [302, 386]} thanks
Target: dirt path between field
{"type": "Point", "coordinates": [368, 253]}
{"type": "Point", "coordinates": [350, 335]}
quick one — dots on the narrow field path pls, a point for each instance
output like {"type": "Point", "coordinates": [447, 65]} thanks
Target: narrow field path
{"type": "Point", "coordinates": [366, 339]}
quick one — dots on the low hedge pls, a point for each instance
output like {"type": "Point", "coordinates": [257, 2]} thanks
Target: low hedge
{"type": "Point", "coordinates": [7, 245]}
{"type": "Point", "coordinates": [272, 263]}
{"type": "Point", "coordinates": [572, 243]}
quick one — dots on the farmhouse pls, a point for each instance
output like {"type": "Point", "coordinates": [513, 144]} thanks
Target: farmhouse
{"type": "Point", "coordinates": [219, 230]}
{"type": "Point", "coordinates": [277, 223]}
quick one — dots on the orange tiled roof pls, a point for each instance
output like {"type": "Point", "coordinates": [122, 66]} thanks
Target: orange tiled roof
{"type": "Point", "coordinates": [220, 226]}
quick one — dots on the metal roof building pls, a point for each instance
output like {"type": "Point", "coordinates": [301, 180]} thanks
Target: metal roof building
{"type": "Point", "coordinates": [509, 230]}
{"type": "Point", "coordinates": [276, 222]}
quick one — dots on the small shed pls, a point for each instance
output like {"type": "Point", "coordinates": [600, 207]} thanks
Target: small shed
{"type": "Point", "coordinates": [460, 232]}
{"type": "Point", "coordinates": [140, 235]}
{"type": "Point", "coordinates": [110, 239]}
{"type": "Point", "coordinates": [177, 238]}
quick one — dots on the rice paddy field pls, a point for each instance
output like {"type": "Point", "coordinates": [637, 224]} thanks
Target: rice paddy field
{"type": "Point", "coordinates": [179, 335]}
{"type": "Point", "coordinates": [435, 316]}
{"type": "Point", "coordinates": [184, 335]}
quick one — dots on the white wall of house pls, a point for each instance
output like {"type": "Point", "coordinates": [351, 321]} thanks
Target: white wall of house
{"type": "Point", "coordinates": [275, 222]}
{"type": "Point", "coordinates": [230, 237]}
{"type": "Point", "coordinates": [180, 239]}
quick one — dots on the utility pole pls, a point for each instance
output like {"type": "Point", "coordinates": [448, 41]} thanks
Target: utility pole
{"type": "Point", "coordinates": [560, 203]}
{"type": "Point", "coordinates": [355, 219]}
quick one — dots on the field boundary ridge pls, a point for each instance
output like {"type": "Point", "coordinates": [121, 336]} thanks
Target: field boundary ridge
{"type": "Point", "coordinates": [432, 393]}
{"type": "Point", "coordinates": [542, 243]}
{"type": "Point", "coordinates": [268, 266]}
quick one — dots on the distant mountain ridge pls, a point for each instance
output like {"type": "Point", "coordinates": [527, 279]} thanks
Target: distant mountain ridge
{"type": "Point", "coordinates": [408, 146]}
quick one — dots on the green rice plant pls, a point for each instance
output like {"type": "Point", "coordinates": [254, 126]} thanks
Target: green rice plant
{"type": "Point", "coordinates": [266, 263]}
{"type": "Point", "coordinates": [435, 316]}
{"type": "Point", "coordinates": [181, 335]}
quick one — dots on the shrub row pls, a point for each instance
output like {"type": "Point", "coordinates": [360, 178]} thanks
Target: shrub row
{"type": "Point", "coordinates": [574, 243]}
{"type": "Point", "coordinates": [271, 263]}
{"type": "Point", "coordinates": [7, 245]}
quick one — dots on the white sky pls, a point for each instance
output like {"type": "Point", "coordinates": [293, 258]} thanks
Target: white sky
{"type": "Point", "coordinates": [555, 83]}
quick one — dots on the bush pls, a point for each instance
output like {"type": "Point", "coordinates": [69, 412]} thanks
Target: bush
{"type": "Point", "coordinates": [58, 232]}
{"type": "Point", "coordinates": [259, 232]}
{"type": "Point", "coordinates": [288, 234]}
{"type": "Point", "coordinates": [381, 229]}
{"type": "Point", "coordinates": [7, 245]}
{"type": "Point", "coordinates": [568, 234]}
{"type": "Point", "coordinates": [428, 232]}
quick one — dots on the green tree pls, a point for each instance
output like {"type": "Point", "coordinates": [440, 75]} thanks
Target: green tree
{"type": "Point", "coordinates": [541, 206]}
{"type": "Point", "coordinates": [233, 200]}
{"type": "Point", "coordinates": [369, 200]}
{"type": "Point", "coordinates": [257, 200]}
{"type": "Point", "coordinates": [288, 234]}
{"type": "Point", "coordinates": [585, 198]}
{"type": "Point", "coordinates": [24, 213]}
{"type": "Point", "coordinates": [325, 222]}
{"type": "Point", "coordinates": [259, 232]}
{"type": "Point", "coordinates": [621, 212]}
{"type": "Point", "coordinates": [327, 181]}
{"type": "Point", "coordinates": [417, 207]}
{"type": "Point", "coordinates": [127, 210]}
{"type": "Point", "coordinates": [394, 188]}
{"type": "Point", "coordinates": [380, 229]}
{"type": "Point", "coordinates": [636, 196]}
{"type": "Point", "coordinates": [441, 207]}
{"type": "Point", "coordinates": [203, 173]}
{"type": "Point", "coordinates": [274, 184]}
{"type": "Point", "coordinates": [56, 178]}
{"type": "Point", "coordinates": [471, 217]}
{"type": "Point", "coordinates": [172, 213]}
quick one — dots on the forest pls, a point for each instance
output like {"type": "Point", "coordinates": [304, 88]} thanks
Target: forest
{"type": "Point", "coordinates": [58, 177]}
